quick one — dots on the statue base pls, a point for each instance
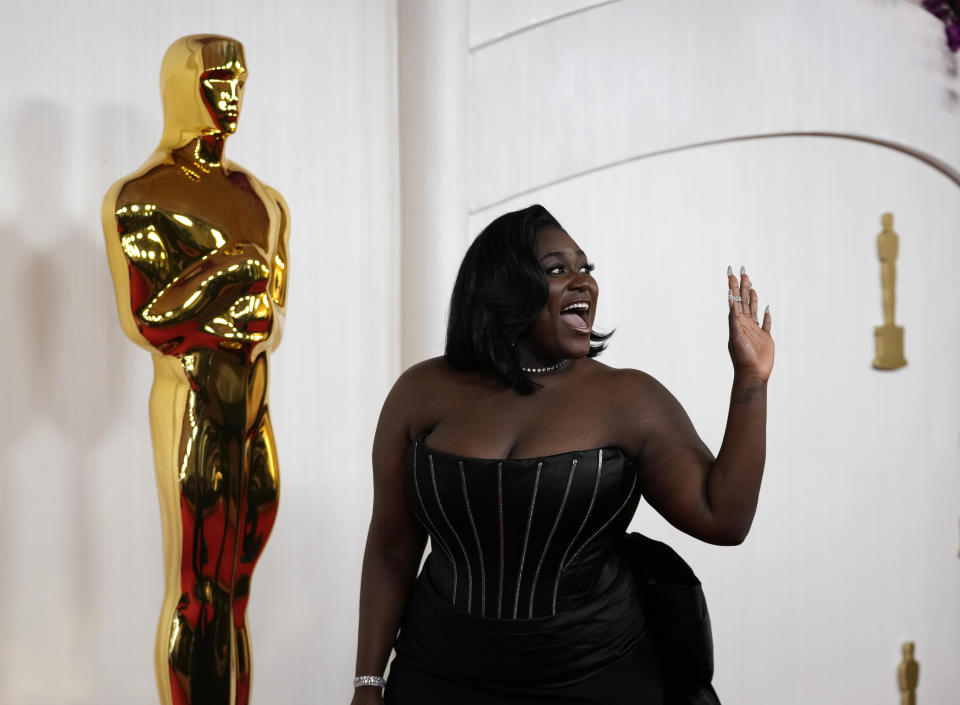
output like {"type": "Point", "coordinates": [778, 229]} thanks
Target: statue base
{"type": "Point", "coordinates": [889, 347]}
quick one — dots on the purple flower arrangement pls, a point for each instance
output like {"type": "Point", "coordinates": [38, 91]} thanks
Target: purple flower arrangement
{"type": "Point", "coordinates": [948, 11]}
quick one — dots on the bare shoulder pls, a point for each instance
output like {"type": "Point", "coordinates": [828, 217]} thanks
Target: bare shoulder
{"type": "Point", "coordinates": [429, 381]}
{"type": "Point", "coordinates": [625, 386]}
{"type": "Point", "coordinates": [426, 373]}
{"type": "Point", "coordinates": [637, 407]}
{"type": "Point", "coordinates": [420, 394]}
{"type": "Point", "coordinates": [635, 398]}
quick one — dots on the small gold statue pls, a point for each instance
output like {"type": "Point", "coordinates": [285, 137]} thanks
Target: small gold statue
{"type": "Point", "coordinates": [198, 253]}
{"type": "Point", "coordinates": [889, 336]}
{"type": "Point", "coordinates": [908, 675]}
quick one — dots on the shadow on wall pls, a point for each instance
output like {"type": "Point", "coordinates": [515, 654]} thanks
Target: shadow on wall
{"type": "Point", "coordinates": [64, 362]}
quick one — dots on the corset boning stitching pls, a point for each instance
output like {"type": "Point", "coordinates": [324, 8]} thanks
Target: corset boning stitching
{"type": "Point", "coordinates": [431, 529]}
{"type": "Point", "coordinates": [466, 560]}
{"type": "Point", "coordinates": [551, 523]}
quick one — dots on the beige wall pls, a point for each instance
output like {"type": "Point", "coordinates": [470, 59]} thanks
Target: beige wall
{"type": "Point", "coordinates": [599, 115]}
{"type": "Point", "coordinates": [81, 576]}
{"type": "Point", "coordinates": [853, 549]}
{"type": "Point", "coordinates": [817, 601]}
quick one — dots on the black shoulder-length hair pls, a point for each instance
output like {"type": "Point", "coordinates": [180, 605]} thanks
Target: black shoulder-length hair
{"type": "Point", "coordinates": [499, 291]}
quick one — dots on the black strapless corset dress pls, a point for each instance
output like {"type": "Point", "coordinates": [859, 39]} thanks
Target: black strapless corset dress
{"type": "Point", "coordinates": [522, 598]}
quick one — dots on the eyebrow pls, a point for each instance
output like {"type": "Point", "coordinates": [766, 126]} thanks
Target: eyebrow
{"type": "Point", "coordinates": [561, 254]}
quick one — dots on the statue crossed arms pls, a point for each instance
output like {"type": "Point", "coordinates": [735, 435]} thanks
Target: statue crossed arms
{"type": "Point", "coordinates": [198, 253]}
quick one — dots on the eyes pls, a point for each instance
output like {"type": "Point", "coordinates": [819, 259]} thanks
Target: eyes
{"type": "Point", "coordinates": [224, 86]}
{"type": "Point", "coordinates": [557, 269]}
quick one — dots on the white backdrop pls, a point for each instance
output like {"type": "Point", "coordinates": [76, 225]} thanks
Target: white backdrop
{"type": "Point", "coordinates": [619, 116]}
{"type": "Point", "coordinates": [79, 520]}
{"type": "Point", "coordinates": [853, 549]}
{"type": "Point", "coordinates": [855, 544]}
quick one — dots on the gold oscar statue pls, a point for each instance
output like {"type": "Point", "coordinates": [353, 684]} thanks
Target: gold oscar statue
{"type": "Point", "coordinates": [908, 675]}
{"type": "Point", "coordinates": [198, 253]}
{"type": "Point", "coordinates": [889, 336]}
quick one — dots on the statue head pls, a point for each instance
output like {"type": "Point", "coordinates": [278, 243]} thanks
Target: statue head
{"type": "Point", "coordinates": [201, 84]}
{"type": "Point", "coordinates": [886, 220]}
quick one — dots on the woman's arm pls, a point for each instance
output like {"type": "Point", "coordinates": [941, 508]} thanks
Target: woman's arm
{"type": "Point", "coordinates": [713, 499]}
{"type": "Point", "coordinates": [395, 542]}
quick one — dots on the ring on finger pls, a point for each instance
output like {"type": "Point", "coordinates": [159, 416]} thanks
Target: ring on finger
{"type": "Point", "coordinates": [738, 299]}
{"type": "Point", "coordinates": [755, 320]}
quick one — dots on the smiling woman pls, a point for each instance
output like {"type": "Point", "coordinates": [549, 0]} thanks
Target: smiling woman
{"type": "Point", "coordinates": [506, 297]}
{"type": "Point", "coordinates": [523, 460]}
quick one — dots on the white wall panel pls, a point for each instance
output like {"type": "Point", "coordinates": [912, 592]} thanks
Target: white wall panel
{"type": "Point", "coordinates": [79, 518]}
{"type": "Point", "coordinates": [640, 76]}
{"type": "Point", "coordinates": [854, 547]}
{"type": "Point", "coordinates": [432, 67]}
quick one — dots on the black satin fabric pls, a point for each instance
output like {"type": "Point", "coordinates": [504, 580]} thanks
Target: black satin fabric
{"type": "Point", "coordinates": [521, 538]}
{"type": "Point", "coordinates": [523, 598]}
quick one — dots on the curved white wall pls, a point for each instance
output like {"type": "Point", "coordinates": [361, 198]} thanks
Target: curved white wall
{"type": "Point", "coordinates": [598, 115]}
{"type": "Point", "coordinates": [637, 77]}
{"type": "Point", "coordinates": [853, 550]}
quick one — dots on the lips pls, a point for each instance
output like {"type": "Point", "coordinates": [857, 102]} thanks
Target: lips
{"type": "Point", "coordinates": [575, 315]}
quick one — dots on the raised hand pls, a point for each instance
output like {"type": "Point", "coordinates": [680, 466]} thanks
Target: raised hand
{"type": "Point", "coordinates": [750, 345]}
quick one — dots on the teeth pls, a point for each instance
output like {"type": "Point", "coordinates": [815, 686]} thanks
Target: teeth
{"type": "Point", "coordinates": [579, 306]}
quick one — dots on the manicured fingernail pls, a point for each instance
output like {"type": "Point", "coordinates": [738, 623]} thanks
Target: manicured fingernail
{"type": "Point", "coordinates": [751, 285]}
{"type": "Point", "coordinates": [743, 270]}
{"type": "Point", "coordinates": [766, 310]}
{"type": "Point", "coordinates": [729, 271]}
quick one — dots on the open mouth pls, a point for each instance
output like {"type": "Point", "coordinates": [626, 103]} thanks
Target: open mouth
{"type": "Point", "coordinates": [576, 315]}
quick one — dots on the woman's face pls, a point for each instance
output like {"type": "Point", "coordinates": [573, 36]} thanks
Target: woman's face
{"type": "Point", "coordinates": [562, 328]}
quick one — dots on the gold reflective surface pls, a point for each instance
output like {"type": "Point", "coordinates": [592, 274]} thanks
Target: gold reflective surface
{"type": "Point", "coordinates": [198, 254]}
{"type": "Point", "coordinates": [908, 675]}
{"type": "Point", "coordinates": [889, 336]}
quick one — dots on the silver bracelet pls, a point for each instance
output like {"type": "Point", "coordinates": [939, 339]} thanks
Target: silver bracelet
{"type": "Point", "coordinates": [369, 680]}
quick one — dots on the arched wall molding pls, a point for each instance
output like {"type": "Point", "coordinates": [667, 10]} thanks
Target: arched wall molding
{"type": "Point", "coordinates": [534, 17]}
{"type": "Point", "coordinates": [670, 77]}
{"type": "Point", "coordinates": [939, 165]}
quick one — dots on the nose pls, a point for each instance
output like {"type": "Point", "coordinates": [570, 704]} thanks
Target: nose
{"type": "Point", "coordinates": [581, 282]}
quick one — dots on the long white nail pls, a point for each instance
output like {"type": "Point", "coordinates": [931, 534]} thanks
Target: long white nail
{"type": "Point", "coordinates": [729, 271]}
{"type": "Point", "coordinates": [766, 310]}
{"type": "Point", "coordinates": [743, 270]}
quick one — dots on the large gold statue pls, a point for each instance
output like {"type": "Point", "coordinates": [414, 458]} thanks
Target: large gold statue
{"type": "Point", "coordinates": [198, 253]}
{"type": "Point", "coordinates": [889, 336]}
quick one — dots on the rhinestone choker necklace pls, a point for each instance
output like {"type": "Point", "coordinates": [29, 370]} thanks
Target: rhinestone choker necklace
{"type": "Point", "coordinates": [548, 368]}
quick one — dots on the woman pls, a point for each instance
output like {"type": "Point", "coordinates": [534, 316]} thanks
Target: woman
{"type": "Point", "coordinates": [524, 459]}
